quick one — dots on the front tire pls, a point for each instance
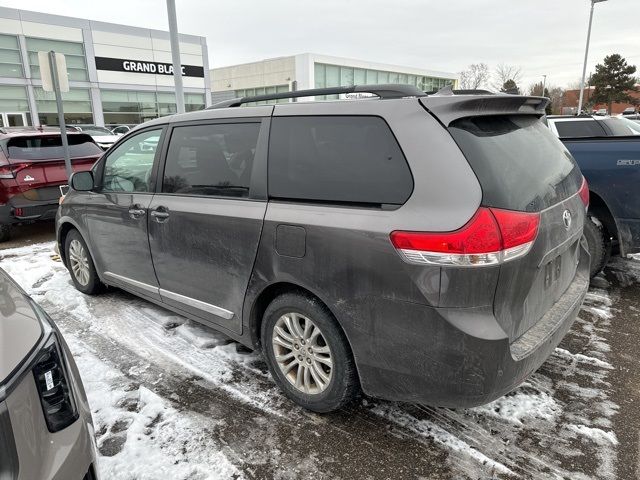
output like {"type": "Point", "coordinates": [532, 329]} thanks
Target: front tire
{"type": "Point", "coordinates": [80, 264]}
{"type": "Point", "coordinates": [599, 244]}
{"type": "Point", "coordinates": [307, 353]}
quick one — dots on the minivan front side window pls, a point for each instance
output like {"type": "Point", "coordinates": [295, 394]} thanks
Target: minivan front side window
{"type": "Point", "coordinates": [211, 160]}
{"type": "Point", "coordinates": [128, 167]}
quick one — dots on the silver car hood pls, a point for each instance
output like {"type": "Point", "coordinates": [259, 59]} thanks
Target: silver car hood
{"type": "Point", "coordinates": [20, 328]}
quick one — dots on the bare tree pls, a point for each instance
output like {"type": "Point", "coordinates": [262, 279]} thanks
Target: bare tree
{"type": "Point", "coordinates": [475, 76]}
{"type": "Point", "coordinates": [503, 73]}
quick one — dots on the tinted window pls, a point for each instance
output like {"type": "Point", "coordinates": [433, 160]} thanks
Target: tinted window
{"type": "Point", "coordinates": [580, 128]}
{"type": "Point", "coordinates": [211, 159]}
{"type": "Point", "coordinates": [128, 166]}
{"type": "Point", "coordinates": [337, 159]}
{"type": "Point", "coordinates": [520, 163]}
{"type": "Point", "coordinates": [50, 146]}
{"type": "Point", "coordinates": [617, 127]}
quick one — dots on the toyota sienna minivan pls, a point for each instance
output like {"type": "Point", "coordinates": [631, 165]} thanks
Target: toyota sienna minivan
{"type": "Point", "coordinates": [45, 423]}
{"type": "Point", "coordinates": [412, 247]}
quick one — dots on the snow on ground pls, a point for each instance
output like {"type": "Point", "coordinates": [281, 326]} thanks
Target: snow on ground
{"type": "Point", "coordinates": [140, 435]}
{"type": "Point", "coordinates": [142, 367]}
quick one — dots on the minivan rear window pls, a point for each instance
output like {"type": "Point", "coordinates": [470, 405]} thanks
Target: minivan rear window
{"type": "Point", "coordinates": [48, 147]}
{"type": "Point", "coordinates": [337, 159]}
{"type": "Point", "coordinates": [520, 164]}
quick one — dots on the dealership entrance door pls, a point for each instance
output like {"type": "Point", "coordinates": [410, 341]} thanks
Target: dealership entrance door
{"type": "Point", "coordinates": [13, 119]}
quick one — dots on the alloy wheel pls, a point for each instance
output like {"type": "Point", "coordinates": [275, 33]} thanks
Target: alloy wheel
{"type": "Point", "coordinates": [302, 353]}
{"type": "Point", "coordinates": [79, 262]}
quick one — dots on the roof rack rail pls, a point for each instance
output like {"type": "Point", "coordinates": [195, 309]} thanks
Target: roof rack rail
{"type": "Point", "coordinates": [385, 91]}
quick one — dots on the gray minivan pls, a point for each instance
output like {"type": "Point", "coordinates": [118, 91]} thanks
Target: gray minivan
{"type": "Point", "coordinates": [414, 247]}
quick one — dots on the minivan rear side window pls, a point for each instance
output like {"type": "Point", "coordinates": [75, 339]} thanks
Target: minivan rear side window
{"type": "Point", "coordinates": [212, 159]}
{"type": "Point", "coordinates": [520, 164]}
{"type": "Point", "coordinates": [337, 159]}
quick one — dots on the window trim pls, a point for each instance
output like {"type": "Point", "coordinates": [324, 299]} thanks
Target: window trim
{"type": "Point", "coordinates": [340, 203]}
{"type": "Point", "coordinates": [258, 178]}
{"type": "Point", "coordinates": [98, 169]}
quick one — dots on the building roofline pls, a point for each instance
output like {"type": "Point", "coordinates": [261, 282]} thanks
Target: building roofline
{"type": "Point", "coordinates": [353, 62]}
{"type": "Point", "coordinates": [77, 22]}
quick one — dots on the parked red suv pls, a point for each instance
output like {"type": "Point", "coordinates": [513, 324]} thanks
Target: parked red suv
{"type": "Point", "coordinates": [32, 171]}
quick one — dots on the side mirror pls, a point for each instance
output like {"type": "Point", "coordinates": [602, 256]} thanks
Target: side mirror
{"type": "Point", "coordinates": [81, 181]}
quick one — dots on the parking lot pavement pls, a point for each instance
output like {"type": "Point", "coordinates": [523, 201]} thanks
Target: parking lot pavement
{"type": "Point", "coordinates": [30, 234]}
{"type": "Point", "coordinates": [171, 399]}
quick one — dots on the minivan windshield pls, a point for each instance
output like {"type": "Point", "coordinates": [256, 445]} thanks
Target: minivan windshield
{"type": "Point", "coordinates": [47, 147]}
{"type": "Point", "coordinates": [520, 164]}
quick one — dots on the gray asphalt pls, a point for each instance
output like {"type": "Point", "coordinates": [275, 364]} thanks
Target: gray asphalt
{"type": "Point", "coordinates": [590, 386]}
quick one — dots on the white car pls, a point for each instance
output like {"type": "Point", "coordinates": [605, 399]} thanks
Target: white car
{"type": "Point", "coordinates": [101, 135]}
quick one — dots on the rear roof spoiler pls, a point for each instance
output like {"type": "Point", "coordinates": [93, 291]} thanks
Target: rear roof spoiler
{"type": "Point", "coordinates": [448, 108]}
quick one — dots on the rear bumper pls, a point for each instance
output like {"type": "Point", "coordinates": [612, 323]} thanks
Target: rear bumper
{"type": "Point", "coordinates": [28, 211]}
{"type": "Point", "coordinates": [458, 357]}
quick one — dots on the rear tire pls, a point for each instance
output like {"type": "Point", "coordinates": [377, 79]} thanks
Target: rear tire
{"type": "Point", "coordinates": [80, 264]}
{"type": "Point", "coordinates": [599, 244]}
{"type": "Point", "coordinates": [308, 354]}
{"type": "Point", "coordinates": [5, 232]}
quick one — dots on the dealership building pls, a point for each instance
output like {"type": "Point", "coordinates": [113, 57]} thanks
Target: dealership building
{"type": "Point", "coordinates": [310, 70]}
{"type": "Point", "coordinates": [117, 74]}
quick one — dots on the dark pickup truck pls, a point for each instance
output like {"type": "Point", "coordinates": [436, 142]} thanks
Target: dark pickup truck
{"type": "Point", "coordinates": [607, 150]}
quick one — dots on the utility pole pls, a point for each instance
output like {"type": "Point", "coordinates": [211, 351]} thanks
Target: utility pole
{"type": "Point", "coordinates": [175, 54]}
{"type": "Point", "coordinates": [586, 55]}
{"type": "Point", "coordinates": [55, 80]}
{"type": "Point", "coordinates": [544, 84]}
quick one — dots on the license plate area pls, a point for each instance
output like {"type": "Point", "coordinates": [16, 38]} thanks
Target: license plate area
{"type": "Point", "coordinates": [552, 272]}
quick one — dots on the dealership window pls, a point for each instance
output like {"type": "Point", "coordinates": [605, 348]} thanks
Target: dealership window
{"type": "Point", "coordinates": [343, 76]}
{"type": "Point", "coordinates": [73, 52]}
{"type": "Point", "coordinates": [124, 107]}
{"type": "Point", "coordinates": [193, 101]}
{"type": "Point", "coordinates": [76, 104]}
{"type": "Point", "coordinates": [10, 60]}
{"type": "Point", "coordinates": [13, 105]}
{"type": "Point", "coordinates": [252, 92]}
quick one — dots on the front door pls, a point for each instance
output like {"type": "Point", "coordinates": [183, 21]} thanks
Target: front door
{"type": "Point", "coordinates": [116, 214]}
{"type": "Point", "coordinates": [205, 222]}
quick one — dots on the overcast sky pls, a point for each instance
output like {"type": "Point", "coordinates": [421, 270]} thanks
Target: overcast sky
{"type": "Point", "coordinates": [541, 36]}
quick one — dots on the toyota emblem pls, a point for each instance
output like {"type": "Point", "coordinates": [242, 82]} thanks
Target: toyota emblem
{"type": "Point", "coordinates": [566, 219]}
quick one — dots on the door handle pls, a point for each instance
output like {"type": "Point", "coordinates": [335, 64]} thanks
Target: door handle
{"type": "Point", "coordinates": [160, 214]}
{"type": "Point", "coordinates": [136, 211]}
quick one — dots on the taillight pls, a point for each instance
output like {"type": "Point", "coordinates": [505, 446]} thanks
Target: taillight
{"type": "Point", "coordinates": [584, 192]}
{"type": "Point", "coordinates": [10, 170]}
{"type": "Point", "coordinates": [491, 237]}
{"type": "Point", "coordinates": [52, 381]}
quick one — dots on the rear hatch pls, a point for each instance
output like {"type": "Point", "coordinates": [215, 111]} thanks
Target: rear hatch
{"type": "Point", "coordinates": [521, 166]}
{"type": "Point", "coordinates": [36, 162]}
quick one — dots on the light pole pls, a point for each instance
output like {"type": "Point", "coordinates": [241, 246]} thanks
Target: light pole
{"type": "Point", "coordinates": [586, 54]}
{"type": "Point", "coordinates": [544, 84]}
{"type": "Point", "coordinates": [175, 54]}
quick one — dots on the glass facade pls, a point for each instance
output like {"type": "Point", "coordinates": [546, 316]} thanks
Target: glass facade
{"type": "Point", "coordinates": [73, 52]}
{"type": "Point", "coordinates": [76, 104]}
{"type": "Point", "coordinates": [13, 99]}
{"type": "Point", "coordinates": [252, 92]}
{"type": "Point", "coordinates": [10, 61]}
{"type": "Point", "coordinates": [336, 75]}
{"type": "Point", "coordinates": [123, 107]}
